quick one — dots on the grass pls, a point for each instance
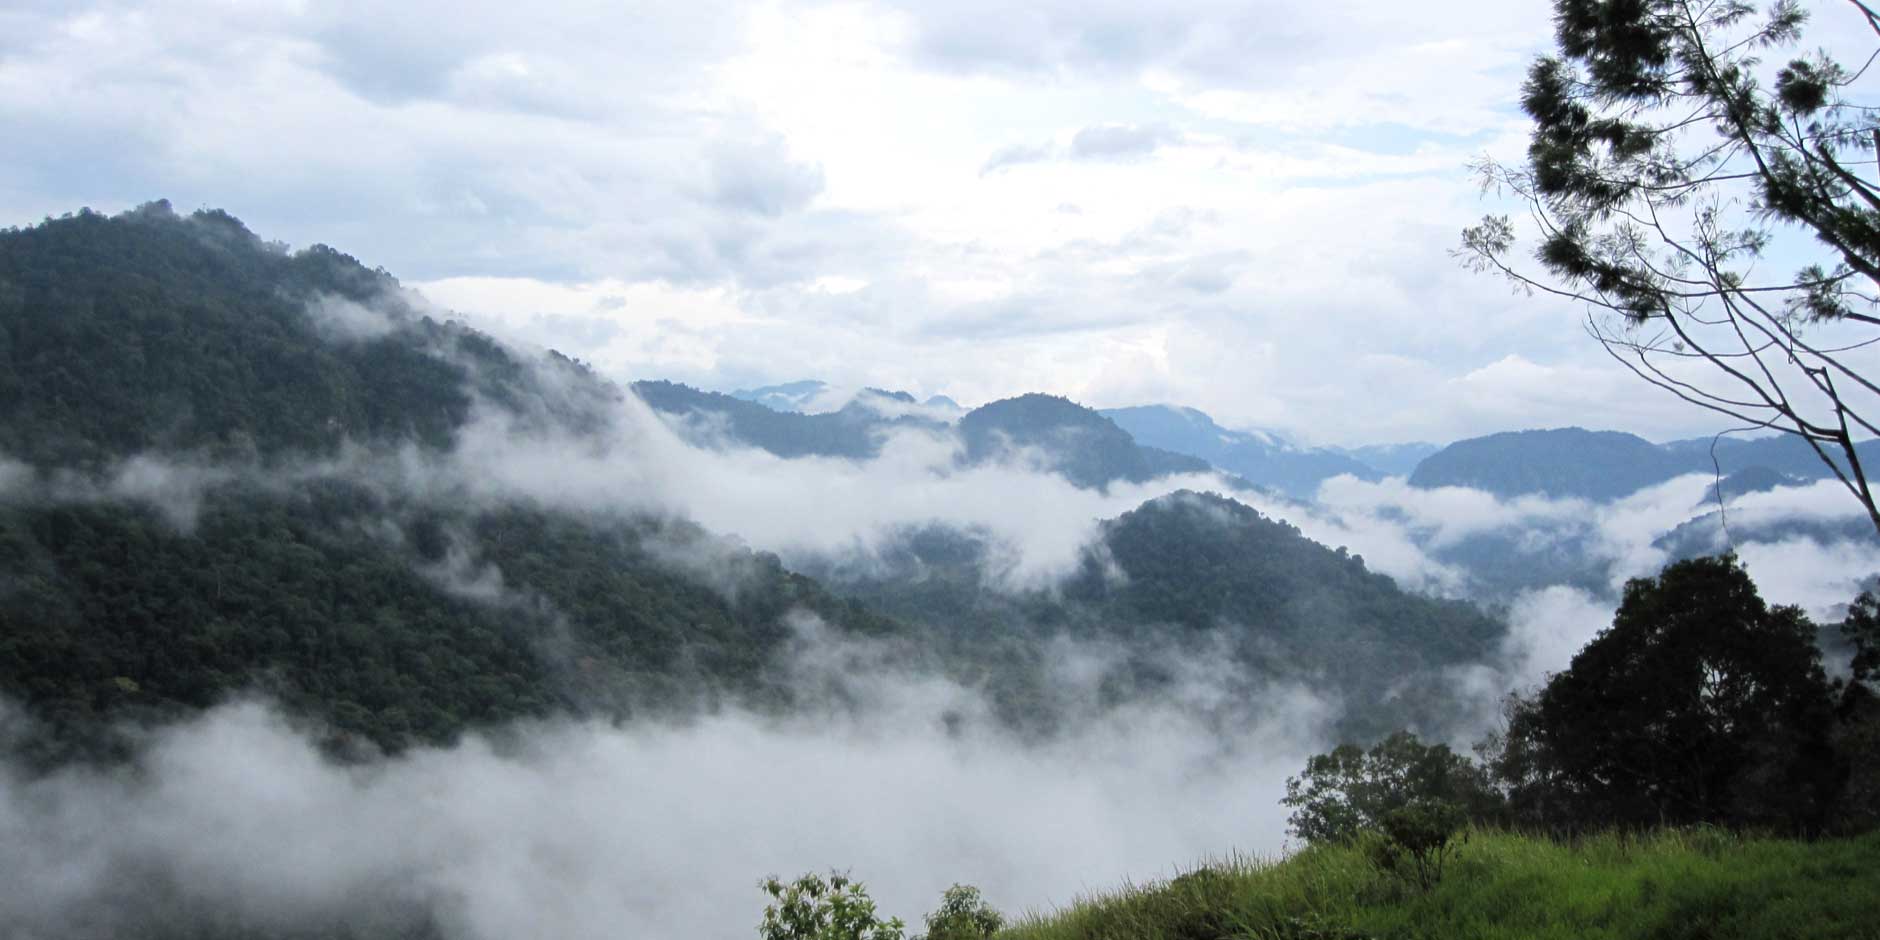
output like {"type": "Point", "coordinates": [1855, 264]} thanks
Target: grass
{"type": "Point", "coordinates": [1682, 885]}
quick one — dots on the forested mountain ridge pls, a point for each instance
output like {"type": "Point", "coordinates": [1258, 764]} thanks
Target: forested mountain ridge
{"type": "Point", "coordinates": [393, 616]}
{"type": "Point", "coordinates": [155, 331]}
{"type": "Point", "coordinates": [392, 622]}
{"type": "Point", "coordinates": [1604, 465]}
{"type": "Point", "coordinates": [1202, 573]}
{"type": "Point", "coordinates": [1088, 448]}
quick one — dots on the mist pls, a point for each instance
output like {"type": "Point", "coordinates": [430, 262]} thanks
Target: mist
{"type": "Point", "coordinates": [569, 829]}
{"type": "Point", "coordinates": [663, 829]}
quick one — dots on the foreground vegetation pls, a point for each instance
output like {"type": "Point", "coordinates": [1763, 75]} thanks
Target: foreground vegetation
{"type": "Point", "coordinates": [1688, 883]}
{"type": "Point", "coordinates": [1636, 794]}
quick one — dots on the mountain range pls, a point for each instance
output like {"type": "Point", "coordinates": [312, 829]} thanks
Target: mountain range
{"type": "Point", "coordinates": [232, 468]}
{"type": "Point", "coordinates": [1558, 462]}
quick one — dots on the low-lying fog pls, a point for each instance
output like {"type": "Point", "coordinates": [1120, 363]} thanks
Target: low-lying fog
{"type": "Point", "coordinates": [585, 830]}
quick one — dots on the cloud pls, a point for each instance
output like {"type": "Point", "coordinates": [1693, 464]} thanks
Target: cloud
{"type": "Point", "coordinates": [1821, 579]}
{"type": "Point", "coordinates": [587, 830]}
{"type": "Point", "coordinates": [345, 320]}
{"type": "Point", "coordinates": [738, 157]}
{"type": "Point", "coordinates": [1546, 628]}
{"type": "Point", "coordinates": [1117, 141]}
{"type": "Point", "coordinates": [822, 506]}
{"type": "Point", "coordinates": [1016, 155]}
{"type": "Point", "coordinates": [1097, 142]}
{"type": "Point", "coordinates": [756, 178]}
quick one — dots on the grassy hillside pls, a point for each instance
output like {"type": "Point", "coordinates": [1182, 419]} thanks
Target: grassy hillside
{"type": "Point", "coordinates": [1702, 883]}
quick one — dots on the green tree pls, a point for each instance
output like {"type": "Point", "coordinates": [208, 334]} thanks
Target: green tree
{"type": "Point", "coordinates": [1415, 841]}
{"type": "Point", "coordinates": [963, 915]}
{"type": "Point", "coordinates": [816, 908]}
{"type": "Point", "coordinates": [1862, 629]}
{"type": "Point", "coordinates": [1700, 704]}
{"type": "Point", "coordinates": [1857, 728]}
{"type": "Point", "coordinates": [1666, 161]}
{"type": "Point", "coordinates": [1350, 790]}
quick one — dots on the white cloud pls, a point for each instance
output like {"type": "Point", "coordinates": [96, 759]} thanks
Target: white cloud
{"type": "Point", "coordinates": [743, 158]}
{"type": "Point", "coordinates": [586, 830]}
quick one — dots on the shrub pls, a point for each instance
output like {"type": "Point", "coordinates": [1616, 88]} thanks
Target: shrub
{"type": "Point", "coordinates": [1348, 790]}
{"type": "Point", "coordinates": [1413, 841]}
{"type": "Point", "coordinates": [963, 915]}
{"type": "Point", "coordinates": [814, 908]}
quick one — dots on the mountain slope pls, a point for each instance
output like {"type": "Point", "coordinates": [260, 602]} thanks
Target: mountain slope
{"type": "Point", "coordinates": [271, 555]}
{"type": "Point", "coordinates": [1559, 462]}
{"type": "Point", "coordinates": [1089, 449]}
{"type": "Point", "coordinates": [1212, 579]}
{"type": "Point", "coordinates": [152, 330]}
{"type": "Point", "coordinates": [1397, 460]}
{"type": "Point", "coordinates": [1261, 459]}
{"type": "Point", "coordinates": [1604, 465]}
{"type": "Point", "coordinates": [710, 418]}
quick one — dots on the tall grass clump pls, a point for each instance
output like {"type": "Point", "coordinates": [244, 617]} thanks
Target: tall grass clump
{"type": "Point", "coordinates": [1686, 884]}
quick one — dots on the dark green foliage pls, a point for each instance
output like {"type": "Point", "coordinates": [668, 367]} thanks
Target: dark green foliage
{"type": "Point", "coordinates": [391, 619]}
{"type": "Point", "coordinates": [1862, 629]}
{"type": "Point", "coordinates": [1414, 841]}
{"type": "Point", "coordinates": [342, 604]}
{"type": "Point", "coordinates": [1218, 571]}
{"type": "Point", "coordinates": [151, 330]}
{"type": "Point", "coordinates": [1200, 559]}
{"type": "Point", "coordinates": [1349, 790]}
{"type": "Point", "coordinates": [1200, 577]}
{"type": "Point", "coordinates": [1857, 727]}
{"type": "Point", "coordinates": [1699, 705]}
{"type": "Point", "coordinates": [963, 915]}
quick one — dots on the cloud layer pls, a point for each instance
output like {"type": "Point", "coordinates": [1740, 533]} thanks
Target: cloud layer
{"type": "Point", "coordinates": [584, 830]}
{"type": "Point", "coordinates": [1241, 207]}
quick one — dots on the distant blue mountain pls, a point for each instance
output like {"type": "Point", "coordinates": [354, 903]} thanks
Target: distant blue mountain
{"type": "Point", "coordinates": [800, 397]}
{"type": "Point", "coordinates": [1259, 457]}
{"type": "Point", "coordinates": [1398, 460]}
{"type": "Point", "coordinates": [1084, 446]}
{"type": "Point", "coordinates": [790, 396]}
{"type": "Point", "coordinates": [854, 432]}
{"type": "Point", "coordinates": [1606, 465]}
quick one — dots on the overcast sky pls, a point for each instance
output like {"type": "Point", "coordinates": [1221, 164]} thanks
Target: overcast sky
{"type": "Point", "coordinates": [1247, 207]}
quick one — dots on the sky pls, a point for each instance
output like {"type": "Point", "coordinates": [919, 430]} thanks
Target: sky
{"type": "Point", "coordinates": [1246, 207]}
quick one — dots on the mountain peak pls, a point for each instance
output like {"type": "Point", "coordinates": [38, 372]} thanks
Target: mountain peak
{"type": "Point", "coordinates": [789, 396]}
